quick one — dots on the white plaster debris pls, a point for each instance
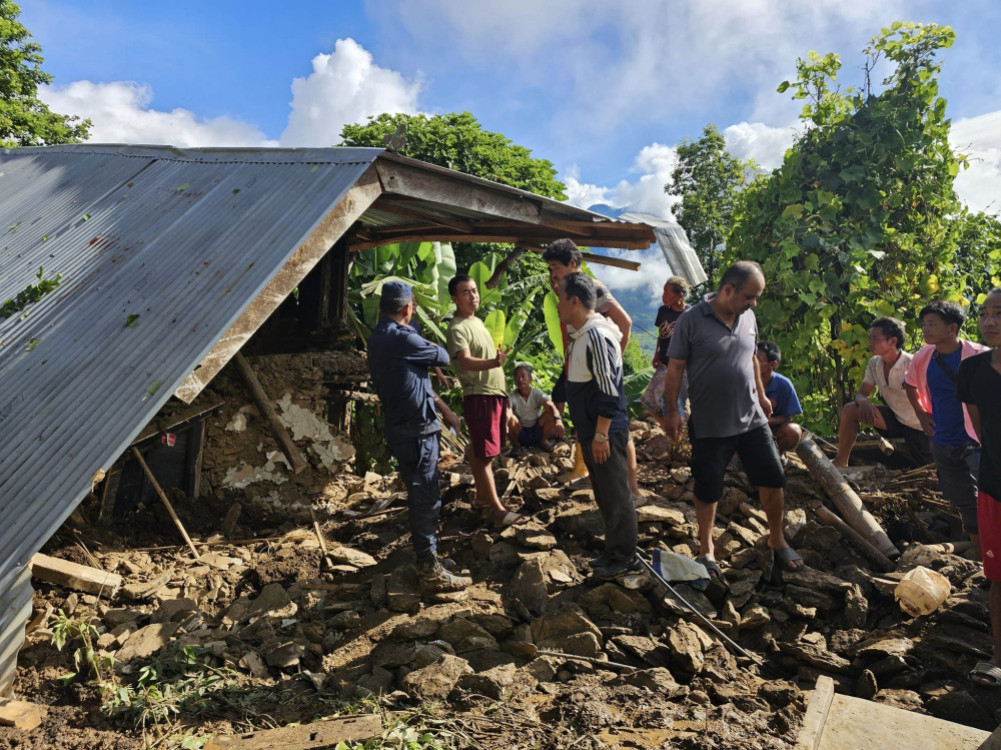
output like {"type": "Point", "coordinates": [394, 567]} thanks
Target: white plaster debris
{"type": "Point", "coordinates": [238, 477]}
{"type": "Point", "coordinates": [305, 425]}
{"type": "Point", "coordinates": [239, 421]}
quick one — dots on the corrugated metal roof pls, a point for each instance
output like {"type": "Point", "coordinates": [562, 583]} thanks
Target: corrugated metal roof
{"type": "Point", "coordinates": [15, 609]}
{"type": "Point", "coordinates": [184, 240]}
{"type": "Point", "coordinates": [678, 252]}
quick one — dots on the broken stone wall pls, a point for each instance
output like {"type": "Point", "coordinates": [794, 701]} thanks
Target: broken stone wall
{"type": "Point", "coordinates": [241, 458]}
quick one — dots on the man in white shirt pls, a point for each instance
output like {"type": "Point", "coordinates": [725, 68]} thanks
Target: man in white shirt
{"type": "Point", "coordinates": [526, 426]}
{"type": "Point", "coordinates": [885, 372]}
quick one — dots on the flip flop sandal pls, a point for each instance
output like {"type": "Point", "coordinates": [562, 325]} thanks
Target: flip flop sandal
{"type": "Point", "coordinates": [715, 574]}
{"type": "Point", "coordinates": [986, 675]}
{"type": "Point", "coordinates": [511, 519]}
{"type": "Point", "coordinates": [784, 558]}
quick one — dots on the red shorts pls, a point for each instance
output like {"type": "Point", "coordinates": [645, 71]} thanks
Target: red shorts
{"type": "Point", "coordinates": [989, 518]}
{"type": "Point", "coordinates": [485, 419]}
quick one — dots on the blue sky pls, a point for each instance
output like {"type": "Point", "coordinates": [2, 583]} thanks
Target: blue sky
{"type": "Point", "coordinates": [604, 90]}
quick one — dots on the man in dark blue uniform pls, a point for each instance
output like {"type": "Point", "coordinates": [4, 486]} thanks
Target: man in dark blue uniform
{"type": "Point", "coordinates": [399, 358]}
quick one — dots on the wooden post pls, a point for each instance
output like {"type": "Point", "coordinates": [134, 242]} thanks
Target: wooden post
{"type": "Point", "coordinates": [267, 409]}
{"type": "Point", "coordinates": [870, 553]}
{"type": "Point", "coordinates": [163, 497]}
{"type": "Point", "coordinates": [503, 266]}
{"type": "Point", "coordinates": [844, 497]}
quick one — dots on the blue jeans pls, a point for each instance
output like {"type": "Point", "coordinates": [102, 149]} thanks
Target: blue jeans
{"type": "Point", "coordinates": [418, 460]}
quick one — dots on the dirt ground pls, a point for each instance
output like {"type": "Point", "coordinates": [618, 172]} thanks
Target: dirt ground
{"type": "Point", "coordinates": [263, 632]}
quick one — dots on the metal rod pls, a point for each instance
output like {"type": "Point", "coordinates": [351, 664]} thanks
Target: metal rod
{"type": "Point", "coordinates": [589, 659]}
{"type": "Point", "coordinates": [695, 612]}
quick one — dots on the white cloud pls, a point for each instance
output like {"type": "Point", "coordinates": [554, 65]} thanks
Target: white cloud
{"type": "Point", "coordinates": [980, 138]}
{"type": "Point", "coordinates": [121, 113]}
{"type": "Point", "coordinates": [651, 276]}
{"type": "Point", "coordinates": [653, 164]}
{"type": "Point", "coordinates": [755, 140]}
{"type": "Point", "coordinates": [344, 87]}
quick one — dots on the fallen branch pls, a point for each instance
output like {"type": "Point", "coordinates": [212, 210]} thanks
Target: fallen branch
{"type": "Point", "coordinates": [868, 551]}
{"type": "Point", "coordinates": [163, 498]}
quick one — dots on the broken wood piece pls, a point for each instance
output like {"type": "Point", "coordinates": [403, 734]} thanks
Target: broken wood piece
{"type": "Point", "coordinates": [868, 551]}
{"type": "Point", "coordinates": [267, 409]}
{"type": "Point", "coordinates": [74, 576]}
{"type": "Point", "coordinates": [321, 735]}
{"type": "Point", "coordinates": [163, 498]}
{"type": "Point", "coordinates": [20, 714]}
{"type": "Point", "coordinates": [816, 715]}
{"type": "Point", "coordinates": [844, 497]}
{"type": "Point", "coordinates": [321, 540]}
{"type": "Point", "coordinates": [504, 265]}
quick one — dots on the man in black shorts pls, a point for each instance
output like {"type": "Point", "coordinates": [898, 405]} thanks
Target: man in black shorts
{"type": "Point", "coordinates": [716, 342]}
{"type": "Point", "coordinates": [885, 373]}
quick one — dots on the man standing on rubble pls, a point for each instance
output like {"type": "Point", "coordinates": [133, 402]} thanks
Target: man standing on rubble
{"type": "Point", "coordinates": [978, 385]}
{"type": "Point", "coordinates": [399, 358]}
{"type": "Point", "coordinates": [716, 342]}
{"type": "Point", "coordinates": [931, 387]}
{"type": "Point", "coordinates": [598, 408]}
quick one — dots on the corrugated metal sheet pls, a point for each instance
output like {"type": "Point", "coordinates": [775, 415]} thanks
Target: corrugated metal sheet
{"type": "Point", "coordinates": [678, 252]}
{"type": "Point", "coordinates": [184, 241]}
{"type": "Point", "coordinates": [15, 608]}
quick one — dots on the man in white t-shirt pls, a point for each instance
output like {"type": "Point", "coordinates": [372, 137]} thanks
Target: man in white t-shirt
{"type": "Point", "coordinates": [885, 372]}
{"type": "Point", "coordinates": [526, 425]}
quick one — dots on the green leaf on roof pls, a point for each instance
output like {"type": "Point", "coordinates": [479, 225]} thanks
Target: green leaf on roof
{"type": "Point", "coordinates": [132, 320]}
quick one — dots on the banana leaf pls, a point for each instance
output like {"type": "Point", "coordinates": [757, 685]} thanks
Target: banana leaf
{"type": "Point", "coordinates": [495, 323]}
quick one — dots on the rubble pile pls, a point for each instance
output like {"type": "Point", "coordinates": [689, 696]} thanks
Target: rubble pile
{"type": "Point", "coordinates": [541, 655]}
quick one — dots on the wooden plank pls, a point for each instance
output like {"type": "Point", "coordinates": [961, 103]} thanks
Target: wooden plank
{"type": "Point", "coordinates": [420, 182]}
{"type": "Point", "coordinates": [321, 735]}
{"type": "Point", "coordinates": [816, 714]}
{"type": "Point", "coordinates": [267, 409]}
{"type": "Point", "coordinates": [603, 260]}
{"type": "Point", "coordinates": [157, 426]}
{"type": "Point", "coordinates": [526, 236]}
{"type": "Point", "coordinates": [163, 498]}
{"type": "Point", "coordinates": [340, 218]}
{"type": "Point", "coordinates": [20, 714]}
{"type": "Point", "coordinates": [74, 576]}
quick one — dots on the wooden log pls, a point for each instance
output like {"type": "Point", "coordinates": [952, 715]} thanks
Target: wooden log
{"type": "Point", "coordinates": [267, 409]}
{"type": "Point", "coordinates": [816, 714]}
{"type": "Point", "coordinates": [870, 553]}
{"type": "Point", "coordinates": [20, 714]}
{"type": "Point", "coordinates": [163, 498]}
{"type": "Point", "coordinates": [844, 497]}
{"type": "Point", "coordinates": [321, 735]}
{"type": "Point", "coordinates": [504, 265]}
{"type": "Point", "coordinates": [74, 576]}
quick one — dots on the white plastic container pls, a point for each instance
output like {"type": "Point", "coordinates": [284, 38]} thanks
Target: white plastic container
{"type": "Point", "coordinates": [922, 591]}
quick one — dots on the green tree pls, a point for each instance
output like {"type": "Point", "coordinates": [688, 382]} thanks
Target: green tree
{"type": "Point", "coordinates": [860, 219]}
{"type": "Point", "coordinates": [978, 248]}
{"type": "Point", "coordinates": [708, 179]}
{"type": "Point", "coordinates": [24, 119]}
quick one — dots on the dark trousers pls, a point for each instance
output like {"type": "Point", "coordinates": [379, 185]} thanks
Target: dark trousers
{"type": "Point", "coordinates": [418, 460]}
{"type": "Point", "coordinates": [610, 482]}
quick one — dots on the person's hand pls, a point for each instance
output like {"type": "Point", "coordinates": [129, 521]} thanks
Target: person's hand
{"type": "Point", "coordinates": [501, 355]}
{"type": "Point", "coordinates": [766, 405]}
{"type": "Point", "coordinates": [867, 412]}
{"type": "Point", "coordinates": [600, 451]}
{"type": "Point", "coordinates": [672, 424]}
{"type": "Point", "coordinates": [927, 423]}
{"type": "Point", "coordinates": [451, 420]}
{"type": "Point", "coordinates": [440, 377]}
{"type": "Point", "coordinates": [559, 430]}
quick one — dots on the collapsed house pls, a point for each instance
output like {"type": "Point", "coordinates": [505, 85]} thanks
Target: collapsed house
{"type": "Point", "coordinates": [168, 262]}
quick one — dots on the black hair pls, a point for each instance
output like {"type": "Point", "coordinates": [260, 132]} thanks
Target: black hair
{"type": "Point", "coordinates": [892, 328]}
{"type": "Point", "coordinates": [949, 312]}
{"type": "Point", "coordinates": [579, 285]}
{"type": "Point", "coordinates": [740, 273]}
{"type": "Point", "coordinates": [453, 283]}
{"type": "Point", "coordinates": [771, 350]}
{"type": "Point", "coordinates": [564, 251]}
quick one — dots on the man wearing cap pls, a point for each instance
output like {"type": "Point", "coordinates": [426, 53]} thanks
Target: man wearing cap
{"type": "Point", "coordinates": [399, 358]}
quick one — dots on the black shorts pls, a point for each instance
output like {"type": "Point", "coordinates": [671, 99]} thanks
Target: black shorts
{"type": "Point", "coordinates": [918, 444]}
{"type": "Point", "coordinates": [757, 450]}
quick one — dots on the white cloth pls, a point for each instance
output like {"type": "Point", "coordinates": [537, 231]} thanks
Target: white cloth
{"type": "Point", "coordinates": [527, 409]}
{"type": "Point", "coordinates": [892, 388]}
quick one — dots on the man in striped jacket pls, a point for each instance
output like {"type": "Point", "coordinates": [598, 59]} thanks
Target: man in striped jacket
{"type": "Point", "coordinates": [598, 408]}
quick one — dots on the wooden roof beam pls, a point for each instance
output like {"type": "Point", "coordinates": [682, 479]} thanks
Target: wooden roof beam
{"type": "Point", "coordinates": [424, 216]}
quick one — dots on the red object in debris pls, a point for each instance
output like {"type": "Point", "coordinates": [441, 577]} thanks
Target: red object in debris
{"type": "Point", "coordinates": [168, 438]}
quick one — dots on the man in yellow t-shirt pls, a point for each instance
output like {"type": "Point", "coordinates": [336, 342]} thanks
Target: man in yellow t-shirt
{"type": "Point", "coordinates": [479, 366]}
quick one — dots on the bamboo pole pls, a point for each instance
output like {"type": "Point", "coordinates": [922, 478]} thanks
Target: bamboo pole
{"type": "Point", "coordinates": [267, 409]}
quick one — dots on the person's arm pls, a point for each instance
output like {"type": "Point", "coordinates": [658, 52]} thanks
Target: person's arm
{"type": "Point", "coordinates": [601, 451]}
{"type": "Point", "coordinates": [605, 370]}
{"type": "Point", "coordinates": [465, 361]}
{"type": "Point", "coordinates": [926, 419]}
{"type": "Point", "coordinates": [777, 420]}
{"type": "Point", "coordinates": [766, 405]}
{"type": "Point", "coordinates": [617, 314]}
{"type": "Point", "coordinates": [420, 351]}
{"type": "Point", "coordinates": [447, 414]}
{"type": "Point", "coordinates": [975, 419]}
{"type": "Point", "coordinates": [672, 388]}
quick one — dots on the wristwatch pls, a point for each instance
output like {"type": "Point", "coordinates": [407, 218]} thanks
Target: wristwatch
{"type": "Point", "coordinates": [599, 438]}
